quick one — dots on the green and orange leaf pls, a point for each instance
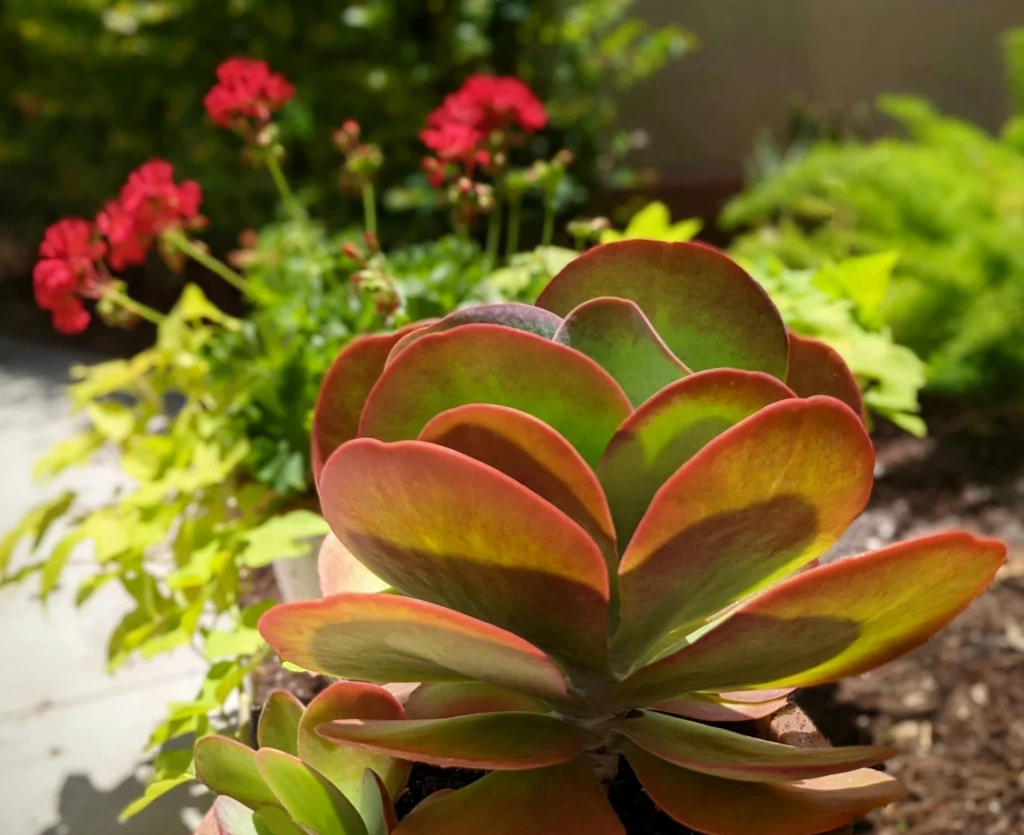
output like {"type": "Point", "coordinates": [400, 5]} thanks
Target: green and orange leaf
{"type": "Point", "coordinates": [279, 722]}
{"type": "Point", "coordinates": [726, 807]}
{"type": "Point", "coordinates": [617, 335]}
{"type": "Point", "coordinates": [672, 427]}
{"type": "Point", "coordinates": [832, 621]}
{"type": "Point", "coordinates": [344, 390]}
{"type": "Point", "coordinates": [389, 638]}
{"type": "Point", "coordinates": [498, 741]}
{"type": "Point", "coordinates": [343, 765]}
{"type": "Point", "coordinates": [761, 500]}
{"type": "Point", "coordinates": [709, 312]}
{"type": "Point", "coordinates": [445, 528]}
{"type": "Point", "coordinates": [499, 365]}
{"type": "Point", "coordinates": [733, 756]}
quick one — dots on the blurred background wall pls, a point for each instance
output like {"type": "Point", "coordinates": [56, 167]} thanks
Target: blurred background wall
{"type": "Point", "coordinates": [759, 56]}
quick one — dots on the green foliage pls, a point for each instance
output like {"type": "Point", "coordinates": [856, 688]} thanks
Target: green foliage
{"type": "Point", "coordinates": [839, 305]}
{"type": "Point", "coordinates": [654, 221]}
{"type": "Point", "coordinates": [948, 199]}
{"type": "Point", "coordinates": [93, 89]}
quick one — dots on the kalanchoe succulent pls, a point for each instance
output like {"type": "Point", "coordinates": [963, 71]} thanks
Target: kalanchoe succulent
{"type": "Point", "coordinates": [588, 526]}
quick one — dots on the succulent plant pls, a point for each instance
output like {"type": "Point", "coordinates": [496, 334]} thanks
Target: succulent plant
{"type": "Point", "coordinates": [590, 526]}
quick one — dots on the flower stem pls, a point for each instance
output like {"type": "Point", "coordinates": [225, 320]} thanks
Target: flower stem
{"type": "Point", "coordinates": [494, 234]}
{"type": "Point", "coordinates": [274, 167]}
{"type": "Point", "coordinates": [549, 223]}
{"type": "Point", "coordinates": [369, 207]}
{"type": "Point", "coordinates": [214, 265]}
{"type": "Point", "coordinates": [134, 307]}
{"type": "Point", "coordinates": [512, 244]}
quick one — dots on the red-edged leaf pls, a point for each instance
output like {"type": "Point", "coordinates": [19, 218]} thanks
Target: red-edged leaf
{"type": "Point", "coordinates": [375, 806]}
{"type": "Point", "coordinates": [341, 572]}
{"type": "Point", "coordinates": [442, 527]}
{"type": "Point", "coordinates": [523, 317]}
{"type": "Point", "coordinates": [500, 741]}
{"type": "Point", "coordinates": [383, 637]}
{"type": "Point", "coordinates": [279, 722]}
{"type": "Point", "coordinates": [443, 700]}
{"type": "Point", "coordinates": [535, 455]}
{"type": "Point", "coordinates": [344, 390]}
{"type": "Point", "coordinates": [733, 756]}
{"type": "Point", "coordinates": [227, 817]}
{"type": "Point", "coordinates": [309, 797]}
{"type": "Point", "coordinates": [227, 767]}
{"type": "Point", "coordinates": [833, 621]}
{"type": "Point", "coordinates": [817, 368]}
{"type": "Point", "coordinates": [672, 427]}
{"type": "Point", "coordinates": [561, 800]}
{"type": "Point", "coordinates": [728, 807]}
{"type": "Point", "coordinates": [342, 765]}
{"type": "Point", "coordinates": [740, 706]}
{"type": "Point", "coordinates": [758, 502]}
{"type": "Point", "coordinates": [710, 313]}
{"type": "Point", "coordinates": [500, 365]}
{"type": "Point", "coordinates": [617, 335]}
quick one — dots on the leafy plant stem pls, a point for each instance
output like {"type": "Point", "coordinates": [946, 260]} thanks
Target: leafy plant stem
{"type": "Point", "coordinates": [179, 240]}
{"type": "Point", "coordinates": [369, 207]}
{"type": "Point", "coordinates": [137, 308]}
{"type": "Point", "coordinates": [494, 235]}
{"type": "Point", "coordinates": [274, 167]}
{"type": "Point", "coordinates": [549, 223]}
{"type": "Point", "coordinates": [512, 244]}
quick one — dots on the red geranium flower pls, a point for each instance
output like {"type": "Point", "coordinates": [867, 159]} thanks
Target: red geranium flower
{"type": "Point", "coordinates": [459, 129]}
{"type": "Point", "coordinates": [246, 89]}
{"type": "Point", "coordinates": [149, 203]}
{"type": "Point", "coordinates": [505, 101]}
{"type": "Point", "coordinates": [452, 141]}
{"type": "Point", "coordinates": [67, 271]}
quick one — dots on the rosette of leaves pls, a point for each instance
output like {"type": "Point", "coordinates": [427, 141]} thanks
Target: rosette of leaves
{"type": "Point", "coordinates": [589, 527]}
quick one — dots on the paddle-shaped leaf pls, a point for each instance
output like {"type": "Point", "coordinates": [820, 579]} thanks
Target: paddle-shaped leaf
{"type": "Point", "coordinates": [523, 317]}
{"type": "Point", "coordinates": [308, 796]}
{"type": "Point", "coordinates": [726, 807]}
{"type": "Point", "coordinates": [535, 455]}
{"type": "Point", "coordinates": [279, 722]}
{"type": "Point", "coordinates": [435, 700]}
{"type": "Point", "coordinates": [500, 741]}
{"type": "Point", "coordinates": [344, 390]}
{"type": "Point", "coordinates": [341, 572]}
{"type": "Point", "coordinates": [817, 368]}
{"type": "Point", "coordinates": [727, 754]}
{"type": "Point", "coordinates": [389, 638]}
{"type": "Point", "coordinates": [672, 427]}
{"type": "Point", "coordinates": [759, 501]}
{"type": "Point", "coordinates": [443, 527]}
{"type": "Point", "coordinates": [561, 800]}
{"type": "Point", "coordinates": [228, 767]}
{"type": "Point", "coordinates": [375, 806]}
{"type": "Point", "coordinates": [495, 364]}
{"type": "Point", "coordinates": [617, 335]}
{"type": "Point", "coordinates": [343, 765]}
{"type": "Point", "coordinates": [710, 313]}
{"type": "Point", "coordinates": [832, 621]}
{"type": "Point", "coordinates": [737, 706]}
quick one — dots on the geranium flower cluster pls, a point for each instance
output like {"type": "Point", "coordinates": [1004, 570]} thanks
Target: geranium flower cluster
{"type": "Point", "coordinates": [461, 130]}
{"type": "Point", "coordinates": [75, 253]}
{"type": "Point", "coordinates": [247, 92]}
{"type": "Point", "coordinates": [149, 203]}
{"type": "Point", "coordinates": [67, 272]}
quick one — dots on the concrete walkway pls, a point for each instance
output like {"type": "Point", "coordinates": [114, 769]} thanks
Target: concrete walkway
{"type": "Point", "coordinates": [70, 735]}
